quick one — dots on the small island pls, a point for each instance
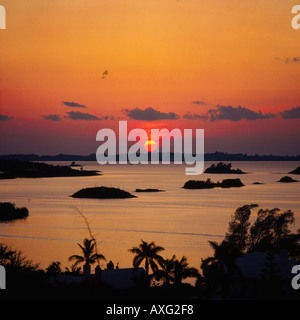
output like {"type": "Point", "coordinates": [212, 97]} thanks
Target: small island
{"type": "Point", "coordinates": [231, 183]}
{"type": "Point", "coordinates": [296, 171]}
{"type": "Point", "coordinates": [223, 168]}
{"type": "Point", "coordinates": [12, 169]}
{"type": "Point", "coordinates": [8, 212]}
{"type": "Point", "coordinates": [287, 179]}
{"type": "Point", "coordinates": [208, 184]}
{"type": "Point", "coordinates": [200, 184]}
{"type": "Point", "coordinates": [149, 190]}
{"type": "Point", "coordinates": [74, 164]}
{"type": "Point", "coordinates": [102, 193]}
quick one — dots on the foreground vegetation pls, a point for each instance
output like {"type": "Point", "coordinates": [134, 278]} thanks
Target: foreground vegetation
{"type": "Point", "coordinates": [220, 276]}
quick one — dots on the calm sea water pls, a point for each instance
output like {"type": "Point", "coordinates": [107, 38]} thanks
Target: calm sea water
{"type": "Point", "coordinates": [182, 221]}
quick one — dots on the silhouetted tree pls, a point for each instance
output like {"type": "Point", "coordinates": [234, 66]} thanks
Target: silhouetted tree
{"type": "Point", "coordinates": [89, 256]}
{"type": "Point", "coordinates": [15, 259]}
{"type": "Point", "coordinates": [270, 232]}
{"type": "Point", "coordinates": [5, 253]}
{"type": "Point", "coordinates": [166, 273]}
{"type": "Point", "coordinates": [74, 270]}
{"type": "Point", "coordinates": [54, 268]}
{"type": "Point", "coordinates": [110, 265]}
{"type": "Point", "coordinates": [238, 230]}
{"type": "Point", "coordinates": [174, 271]}
{"type": "Point", "coordinates": [148, 252]}
{"type": "Point", "coordinates": [183, 271]}
{"type": "Point", "coordinates": [270, 271]}
{"type": "Point", "coordinates": [272, 286]}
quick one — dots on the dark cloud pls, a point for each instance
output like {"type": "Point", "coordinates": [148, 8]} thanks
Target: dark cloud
{"type": "Point", "coordinates": [109, 118]}
{"type": "Point", "coordinates": [236, 114]}
{"type": "Point", "coordinates": [150, 114]}
{"type": "Point", "coordinates": [4, 117]}
{"type": "Point", "coordinates": [293, 113]}
{"type": "Point", "coordinates": [76, 115]}
{"type": "Point", "coordinates": [229, 113]}
{"type": "Point", "coordinates": [198, 102]}
{"type": "Point", "coordinates": [74, 104]}
{"type": "Point", "coordinates": [189, 116]}
{"type": "Point", "coordinates": [52, 117]}
{"type": "Point", "coordinates": [288, 60]}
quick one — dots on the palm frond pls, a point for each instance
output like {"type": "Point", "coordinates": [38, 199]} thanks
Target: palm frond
{"type": "Point", "coordinates": [137, 260]}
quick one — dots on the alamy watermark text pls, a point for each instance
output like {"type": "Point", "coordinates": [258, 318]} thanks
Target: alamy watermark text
{"type": "Point", "coordinates": [139, 152]}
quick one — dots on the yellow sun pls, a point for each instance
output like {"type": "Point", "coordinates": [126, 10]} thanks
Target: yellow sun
{"type": "Point", "coordinates": [150, 145]}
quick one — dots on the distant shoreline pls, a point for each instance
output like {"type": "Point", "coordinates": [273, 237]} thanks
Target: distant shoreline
{"type": "Point", "coordinates": [216, 156]}
{"type": "Point", "coordinates": [12, 169]}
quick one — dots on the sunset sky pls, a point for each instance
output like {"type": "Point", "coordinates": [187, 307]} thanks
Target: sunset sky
{"type": "Point", "coordinates": [69, 68]}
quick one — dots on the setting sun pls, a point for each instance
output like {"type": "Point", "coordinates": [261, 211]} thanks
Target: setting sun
{"type": "Point", "coordinates": [150, 145]}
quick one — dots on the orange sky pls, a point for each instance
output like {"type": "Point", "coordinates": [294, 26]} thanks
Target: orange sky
{"type": "Point", "coordinates": [163, 55]}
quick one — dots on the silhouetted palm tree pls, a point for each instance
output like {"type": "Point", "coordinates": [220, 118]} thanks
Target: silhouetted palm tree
{"type": "Point", "coordinates": [166, 273]}
{"type": "Point", "coordinates": [219, 256]}
{"type": "Point", "coordinates": [183, 271]}
{"type": "Point", "coordinates": [148, 252]}
{"type": "Point", "coordinates": [88, 249]}
{"type": "Point", "coordinates": [213, 267]}
{"type": "Point", "coordinates": [73, 269]}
